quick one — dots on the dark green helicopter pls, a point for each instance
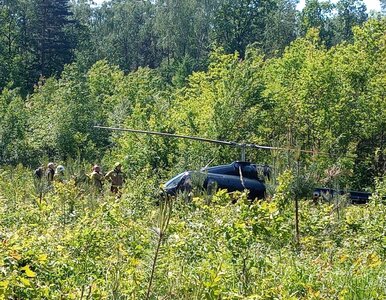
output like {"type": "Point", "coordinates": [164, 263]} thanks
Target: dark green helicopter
{"type": "Point", "coordinates": [236, 176]}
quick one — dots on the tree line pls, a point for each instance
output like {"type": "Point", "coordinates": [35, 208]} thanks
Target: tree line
{"type": "Point", "coordinates": [180, 67]}
{"type": "Point", "coordinates": [39, 37]}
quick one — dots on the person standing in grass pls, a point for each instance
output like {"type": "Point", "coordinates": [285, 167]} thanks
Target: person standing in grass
{"type": "Point", "coordinates": [117, 178]}
{"type": "Point", "coordinates": [59, 174]}
{"type": "Point", "coordinates": [50, 172]}
{"type": "Point", "coordinates": [97, 178]}
{"type": "Point", "coordinates": [38, 173]}
{"type": "Point", "coordinates": [39, 183]}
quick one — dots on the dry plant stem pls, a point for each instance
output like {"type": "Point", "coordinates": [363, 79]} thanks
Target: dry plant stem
{"type": "Point", "coordinates": [154, 264]}
{"type": "Point", "coordinates": [297, 209]}
{"type": "Point", "coordinates": [297, 221]}
{"type": "Point", "coordinates": [89, 292]}
{"type": "Point", "coordinates": [82, 292]}
{"type": "Point", "coordinates": [245, 277]}
{"type": "Point", "coordinates": [164, 218]}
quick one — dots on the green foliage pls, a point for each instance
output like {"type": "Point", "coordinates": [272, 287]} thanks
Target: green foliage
{"type": "Point", "coordinates": [142, 102]}
{"type": "Point", "coordinates": [350, 13]}
{"type": "Point", "coordinates": [380, 191]}
{"type": "Point", "coordinates": [66, 241]}
{"type": "Point", "coordinates": [316, 14]}
{"type": "Point", "coordinates": [38, 41]}
{"type": "Point", "coordinates": [39, 37]}
{"type": "Point", "coordinates": [282, 27]}
{"type": "Point", "coordinates": [65, 108]}
{"type": "Point", "coordinates": [13, 119]}
{"type": "Point", "coordinates": [76, 246]}
{"type": "Point", "coordinates": [307, 99]}
{"type": "Point", "coordinates": [285, 189]}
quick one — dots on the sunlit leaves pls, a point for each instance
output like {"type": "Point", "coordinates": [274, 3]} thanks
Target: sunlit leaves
{"type": "Point", "coordinates": [13, 121]}
{"type": "Point", "coordinates": [211, 247]}
{"type": "Point", "coordinates": [28, 271]}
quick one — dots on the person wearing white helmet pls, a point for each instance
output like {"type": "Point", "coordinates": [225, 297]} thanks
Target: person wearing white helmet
{"type": "Point", "coordinates": [59, 174]}
{"type": "Point", "coordinates": [50, 172]}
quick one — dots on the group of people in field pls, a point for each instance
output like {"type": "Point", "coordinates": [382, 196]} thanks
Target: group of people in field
{"type": "Point", "coordinates": [115, 176]}
{"type": "Point", "coordinates": [96, 178]}
{"type": "Point", "coordinates": [51, 173]}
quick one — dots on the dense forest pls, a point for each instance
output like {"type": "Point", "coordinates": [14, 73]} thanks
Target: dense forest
{"type": "Point", "coordinates": [256, 71]}
{"type": "Point", "coordinates": [252, 71]}
{"type": "Point", "coordinates": [39, 37]}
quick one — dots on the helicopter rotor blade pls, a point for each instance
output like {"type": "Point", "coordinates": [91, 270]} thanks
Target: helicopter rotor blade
{"type": "Point", "coordinates": [243, 146]}
{"type": "Point", "coordinates": [284, 149]}
{"type": "Point", "coordinates": [170, 135]}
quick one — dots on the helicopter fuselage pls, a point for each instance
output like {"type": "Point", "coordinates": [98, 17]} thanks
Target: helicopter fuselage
{"type": "Point", "coordinates": [237, 176]}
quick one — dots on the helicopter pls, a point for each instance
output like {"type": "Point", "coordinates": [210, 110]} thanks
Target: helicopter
{"type": "Point", "coordinates": [238, 175]}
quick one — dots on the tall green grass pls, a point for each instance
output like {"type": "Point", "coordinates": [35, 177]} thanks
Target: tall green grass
{"type": "Point", "coordinates": [79, 245]}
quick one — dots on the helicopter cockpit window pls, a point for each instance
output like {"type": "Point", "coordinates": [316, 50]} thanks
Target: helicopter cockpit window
{"type": "Point", "coordinates": [248, 171]}
{"type": "Point", "coordinates": [174, 181]}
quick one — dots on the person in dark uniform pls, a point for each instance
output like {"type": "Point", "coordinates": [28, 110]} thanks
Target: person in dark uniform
{"type": "Point", "coordinates": [38, 173]}
{"type": "Point", "coordinates": [50, 172]}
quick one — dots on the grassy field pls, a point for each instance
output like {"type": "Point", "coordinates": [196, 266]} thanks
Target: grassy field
{"type": "Point", "coordinates": [75, 244]}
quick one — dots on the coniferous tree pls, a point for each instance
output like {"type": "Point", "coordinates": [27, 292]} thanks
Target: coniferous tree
{"type": "Point", "coordinates": [16, 53]}
{"type": "Point", "coordinates": [83, 32]}
{"type": "Point", "coordinates": [9, 43]}
{"type": "Point", "coordinates": [52, 40]}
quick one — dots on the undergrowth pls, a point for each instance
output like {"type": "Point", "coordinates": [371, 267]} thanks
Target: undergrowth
{"type": "Point", "coordinates": [74, 244]}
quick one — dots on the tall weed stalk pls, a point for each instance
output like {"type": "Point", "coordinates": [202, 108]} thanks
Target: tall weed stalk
{"type": "Point", "coordinates": [165, 213]}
